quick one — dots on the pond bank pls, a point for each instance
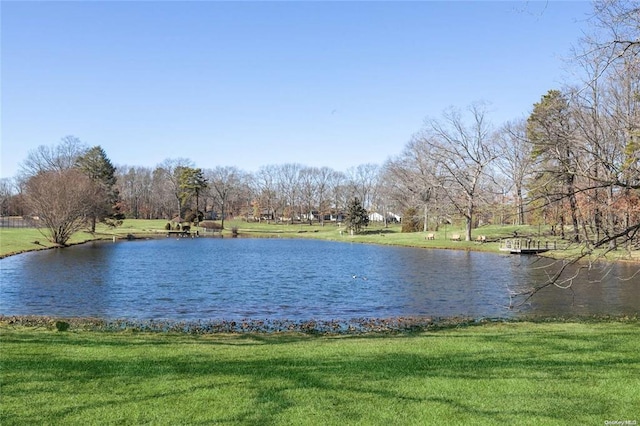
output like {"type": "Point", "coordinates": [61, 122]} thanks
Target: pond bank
{"type": "Point", "coordinates": [17, 241]}
{"type": "Point", "coordinates": [355, 326]}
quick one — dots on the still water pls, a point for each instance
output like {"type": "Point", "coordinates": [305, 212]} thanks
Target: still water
{"type": "Point", "coordinates": [210, 279]}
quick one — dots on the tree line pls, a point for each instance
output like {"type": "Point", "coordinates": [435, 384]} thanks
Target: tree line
{"type": "Point", "coordinates": [572, 163]}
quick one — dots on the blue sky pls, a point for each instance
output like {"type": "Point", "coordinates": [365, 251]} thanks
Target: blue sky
{"type": "Point", "coordinates": [249, 84]}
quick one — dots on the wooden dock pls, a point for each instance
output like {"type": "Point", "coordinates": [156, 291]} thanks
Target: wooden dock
{"type": "Point", "coordinates": [526, 246]}
{"type": "Point", "coordinates": [181, 233]}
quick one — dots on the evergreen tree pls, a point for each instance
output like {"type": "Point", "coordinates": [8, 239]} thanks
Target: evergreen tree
{"type": "Point", "coordinates": [191, 182]}
{"type": "Point", "coordinates": [95, 164]}
{"type": "Point", "coordinates": [357, 216]}
{"type": "Point", "coordinates": [550, 130]}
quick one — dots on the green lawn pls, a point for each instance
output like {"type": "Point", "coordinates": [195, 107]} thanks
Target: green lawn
{"type": "Point", "coordinates": [517, 373]}
{"type": "Point", "coordinates": [17, 240]}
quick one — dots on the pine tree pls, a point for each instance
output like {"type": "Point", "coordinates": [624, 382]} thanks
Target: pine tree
{"type": "Point", "coordinates": [192, 182]}
{"type": "Point", "coordinates": [357, 216]}
{"type": "Point", "coordinates": [95, 164]}
{"type": "Point", "coordinates": [549, 128]}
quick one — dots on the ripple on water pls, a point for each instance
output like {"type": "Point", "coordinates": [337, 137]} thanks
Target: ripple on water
{"type": "Point", "coordinates": [280, 279]}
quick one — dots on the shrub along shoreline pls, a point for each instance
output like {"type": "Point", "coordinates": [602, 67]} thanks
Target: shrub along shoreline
{"type": "Point", "coordinates": [311, 327]}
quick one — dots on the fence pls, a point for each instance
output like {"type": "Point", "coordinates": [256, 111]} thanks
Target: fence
{"type": "Point", "coordinates": [18, 222]}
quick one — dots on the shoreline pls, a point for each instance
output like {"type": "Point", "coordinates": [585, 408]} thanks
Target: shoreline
{"type": "Point", "coordinates": [337, 327]}
{"type": "Point", "coordinates": [158, 234]}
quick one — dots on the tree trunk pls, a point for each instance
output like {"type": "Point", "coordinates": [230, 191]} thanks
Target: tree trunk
{"type": "Point", "coordinates": [573, 207]}
{"type": "Point", "coordinates": [469, 216]}
{"type": "Point", "coordinates": [425, 226]}
{"type": "Point", "coordinates": [611, 219]}
{"type": "Point", "coordinates": [520, 202]}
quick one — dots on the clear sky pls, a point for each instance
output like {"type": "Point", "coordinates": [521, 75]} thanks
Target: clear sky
{"type": "Point", "coordinates": [249, 84]}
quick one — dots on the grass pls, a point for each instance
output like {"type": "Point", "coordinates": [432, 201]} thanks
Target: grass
{"type": "Point", "coordinates": [504, 373]}
{"type": "Point", "coordinates": [520, 373]}
{"type": "Point", "coordinates": [17, 240]}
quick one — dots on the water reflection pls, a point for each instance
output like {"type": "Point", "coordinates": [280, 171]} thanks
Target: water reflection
{"type": "Point", "coordinates": [594, 290]}
{"type": "Point", "coordinates": [291, 279]}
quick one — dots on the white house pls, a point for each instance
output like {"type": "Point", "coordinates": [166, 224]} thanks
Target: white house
{"type": "Point", "coordinates": [376, 217]}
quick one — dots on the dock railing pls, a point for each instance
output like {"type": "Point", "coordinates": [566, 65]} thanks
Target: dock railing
{"type": "Point", "coordinates": [527, 244]}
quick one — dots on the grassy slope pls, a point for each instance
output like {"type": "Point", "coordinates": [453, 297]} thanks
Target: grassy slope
{"type": "Point", "coordinates": [494, 374]}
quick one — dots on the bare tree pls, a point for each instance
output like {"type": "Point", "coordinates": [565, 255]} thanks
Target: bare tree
{"type": "Point", "coordinates": [339, 191]}
{"type": "Point", "coordinates": [58, 157]}
{"type": "Point", "coordinates": [413, 180]}
{"type": "Point", "coordinates": [62, 200]}
{"type": "Point", "coordinates": [515, 160]}
{"type": "Point", "coordinates": [324, 177]}
{"type": "Point", "coordinates": [462, 153]}
{"type": "Point", "coordinates": [264, 184]}
{"type": "Point", "coordinates": [9, 197]}
{"type": "Point", "coordinates": [134, 186]}
{"type": "Point", "coordinates": [224, 183]}
{"type": "Point", "coordinates": [169, 172]}
{"type": "Point", "coordinates": [363, 180]}
{"type": "Point", "coordinates": [615, 32]}
{"type": "Point", "coordinates": [606, 108]}
{"type": "Point", "coordinates": [308, 191]}
{"type": "Point", "coordinates": [289, 188]}
{"type": "Point", "coordinates": [163, 198]}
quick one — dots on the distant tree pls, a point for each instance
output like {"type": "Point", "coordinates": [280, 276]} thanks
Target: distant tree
{"type": "Point", "coordinates": [224, 183]}
{"type": "Point", "coordinates": [58, 157]}
{"type": "Point", "coordinates": [323, 179]}
{"type": "Point", "coordinates": [338, 191]}
{"type": "Point", "coordinates": [462, 153]}
{"type": "Point", "coordinates": [97, 166]}
{"type": "Point", "coordinates": [550, 130]}
{"type": "Point", "coordinates": [414, 181]}
{"type": "Point", "coordinates": [9, 197]}
{"type": "Point", "coordinates": [363, 182]}
{"type": "Point", "coordinates": [135, 189]}
{"type": "Point", "coordinates": [59, 200]}
{"type": "Point", "coordinates": [308, 192]}
{"type": "Point", "coordinates": [265, 184]}
{"type": "Point", "coordinates": [411, 220]}
{"type": "Point", "coordinates": [515, 161]}
{"type": "Point", "coordinates": [357, 216]}
{"type": "Point", "coordinates": [167, 180]}
{"type": "Point", "coordinates": [289, 188]}
{"type": "Point", "coordinates": [192, 182]}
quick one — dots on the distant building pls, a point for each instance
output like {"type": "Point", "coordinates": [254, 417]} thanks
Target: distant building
{"type": "Point", "coordinates": [377, 217]}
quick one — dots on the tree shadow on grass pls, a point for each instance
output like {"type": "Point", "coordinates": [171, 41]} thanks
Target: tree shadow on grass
{"type": "Point", "coordinates": [349, 378]}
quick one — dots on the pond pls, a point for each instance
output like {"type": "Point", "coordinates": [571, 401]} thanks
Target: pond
{"type": "Point", "coordinates": [214, 278]}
